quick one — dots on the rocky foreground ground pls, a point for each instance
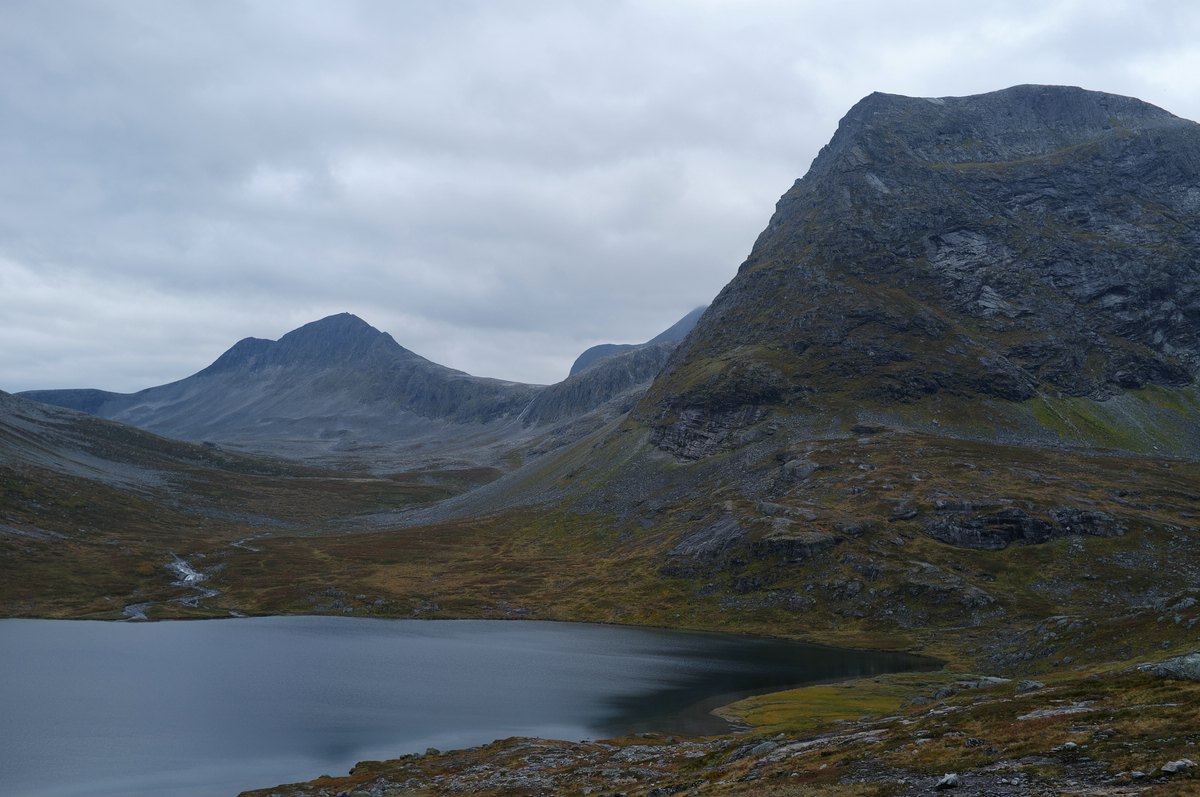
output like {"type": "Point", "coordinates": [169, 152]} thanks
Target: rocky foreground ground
{"type": "Point", "coordinates": [1124, 732]}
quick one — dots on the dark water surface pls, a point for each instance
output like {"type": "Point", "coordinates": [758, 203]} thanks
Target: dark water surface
{"type": "Point", "coordinates": [213, 707]}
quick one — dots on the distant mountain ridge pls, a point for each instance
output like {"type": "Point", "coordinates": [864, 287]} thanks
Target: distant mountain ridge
{"type": "Point", "coordinates": [305, 372]}
{"type": "Point", "coordinates": [340, 385]}
{"type": "Point", "coordinates": [677, 332]}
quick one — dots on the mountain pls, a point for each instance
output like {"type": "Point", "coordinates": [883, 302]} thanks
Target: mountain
{"type": "Point", "coordinates": [674, 334]}
{"type": "Point", "coordinates": [1022, 265]}
{"type": "Point", "coordinates": [336, 384]}
{"type": "Point", "coordinates": [951, 393]}
{"type": "Point", "coordinates": [341, 390]}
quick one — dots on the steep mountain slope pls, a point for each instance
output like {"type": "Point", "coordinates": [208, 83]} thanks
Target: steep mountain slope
{"type": "Point", "coordinates": [619, 377]}
{"type": "Point", "coordinates": [677, 332]}
{"type": "Point", "coordinates": [854, 442]}
{"type": "Point", "coordinates": [1023, 264]}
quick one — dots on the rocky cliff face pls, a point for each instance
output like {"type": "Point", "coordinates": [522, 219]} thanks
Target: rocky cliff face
{"type": "Point", "coordinates": [1024, 262]}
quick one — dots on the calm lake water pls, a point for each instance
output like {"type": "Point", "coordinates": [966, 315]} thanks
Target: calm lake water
{"type": "Point", "coordinates": [213, 707]}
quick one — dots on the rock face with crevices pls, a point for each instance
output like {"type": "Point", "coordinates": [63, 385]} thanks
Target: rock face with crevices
{"type": "Point", "coordinates": [968, 260]}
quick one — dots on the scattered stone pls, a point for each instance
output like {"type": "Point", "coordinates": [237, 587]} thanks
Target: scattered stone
{"type": "Point", "coordinates": [1171, 767]}
{"type": "Point", "coordinates": [763, 748]}
{"type": "Point", "coordinates": [983, 682]}
{"type": "Point", "coordinates": [1030, 686]}
{"type": "Point", "coordinates": [772, 509]}
{"type": "Point", "coordinates": [800, 469]}
{"type": "Point", "coordinates": [949, 781]}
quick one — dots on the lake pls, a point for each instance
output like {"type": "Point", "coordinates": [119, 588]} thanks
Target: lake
{"type": "Point", "coordinates": [216, 706]}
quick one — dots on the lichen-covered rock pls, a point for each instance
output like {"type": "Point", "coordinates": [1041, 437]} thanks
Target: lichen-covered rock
{"type": "Point", "coordinates": [800, 469]}
{"type": "Point", "coordinates": [1182, 668]}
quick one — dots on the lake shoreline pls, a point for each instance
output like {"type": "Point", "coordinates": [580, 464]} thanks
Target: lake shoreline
{"type": "Point", "coordinates": [584, 680]}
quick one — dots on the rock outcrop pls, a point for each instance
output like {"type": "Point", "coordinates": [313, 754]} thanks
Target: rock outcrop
{"type": "Point", "coordinates": [997, 530]}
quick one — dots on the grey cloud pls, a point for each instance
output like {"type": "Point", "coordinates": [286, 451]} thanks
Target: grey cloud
{"type": "Point", "coordinates": [497, 185]}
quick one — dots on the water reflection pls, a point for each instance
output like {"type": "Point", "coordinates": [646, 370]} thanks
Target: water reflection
{"type": "Point", "coordinates": [709, 670]}
{"type": "Point", "coordinates": [213, 707]}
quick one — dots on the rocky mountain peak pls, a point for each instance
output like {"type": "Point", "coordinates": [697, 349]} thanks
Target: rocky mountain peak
{"type": "Point", "coordinates": [335, 337]}
{"type": "Point", "coordinates": [1021, 255]}
{"type": "Point", "coordinates": [1025, 121]}
{"type": "Point", "coordinates": [330, 341]}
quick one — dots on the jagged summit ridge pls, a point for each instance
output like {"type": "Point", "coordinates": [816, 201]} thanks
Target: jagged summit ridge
{"type": "Point", "coordinates": [1037, 243]}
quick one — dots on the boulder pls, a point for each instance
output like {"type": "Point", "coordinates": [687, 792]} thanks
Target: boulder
{"type": "Point", "coordinates": [1181, 668]}
{"type": "Point", "coordinates": [948, 781]}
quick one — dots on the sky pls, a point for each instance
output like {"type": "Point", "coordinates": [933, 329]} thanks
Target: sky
{"type": "Point", "coordinates": [499, 185]}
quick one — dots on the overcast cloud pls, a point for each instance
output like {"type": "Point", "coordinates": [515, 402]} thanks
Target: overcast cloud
{"type": "Point", "coordinates": [499, 185]}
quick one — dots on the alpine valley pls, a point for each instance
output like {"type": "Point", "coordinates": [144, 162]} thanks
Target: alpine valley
{"type": "Point", "coordinates": [948, 405]}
